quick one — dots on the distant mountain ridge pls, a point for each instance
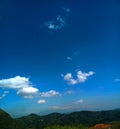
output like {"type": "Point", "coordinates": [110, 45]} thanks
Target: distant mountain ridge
{"type": "Point", "coordinates": [34, 121]}
{"type": "Point", "coordinates": [88, 118]}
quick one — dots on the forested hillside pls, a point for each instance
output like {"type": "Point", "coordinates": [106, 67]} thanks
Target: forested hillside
{"type": "Point", "coordinates": [75, 120]}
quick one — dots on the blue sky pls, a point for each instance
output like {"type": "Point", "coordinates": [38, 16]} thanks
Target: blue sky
{"type": "Point", "coordinates": [59, 56]}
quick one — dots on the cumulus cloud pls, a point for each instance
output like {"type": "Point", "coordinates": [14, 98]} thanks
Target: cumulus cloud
{"type": "Point", "coordinates": [42, 101]}
{"type": "Point", "coordinates": [81, 77]}
{"type": "Point", "coordinates": [15, 83]}
{"type": "Point", "coordinates": [21, 84]}
{"type": "Point", "coordinates": [27, 92]}
{"type": "Point", "coordinates": [69, 78]}
{"type": "Point", "coordinates": [79, 101]}
{"type": "Point", "coordinates": [24, 88]}
{"type": "Point", "coordinates": [50, 93]}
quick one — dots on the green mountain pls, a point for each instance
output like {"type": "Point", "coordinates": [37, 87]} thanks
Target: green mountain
{"type": "Point", "coordinates": [87, 118]}
{"type": "Point", "coordinates": [61, 121]}
{"type": "Point", "coordinates": [7, 122]}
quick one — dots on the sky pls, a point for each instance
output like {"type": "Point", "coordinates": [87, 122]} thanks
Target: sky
{"type": "Point", "coordinates": [59, 56]}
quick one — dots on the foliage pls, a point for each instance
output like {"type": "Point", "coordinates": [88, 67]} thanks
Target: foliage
{"type": "Point", "coordinates": [87, 118]}
{"type": "Point", "coordinates": [67, 127]}
{"type": "Point", "coordinates": [115, 125]}
{"type": "Point", "coordinates": [76, 120]}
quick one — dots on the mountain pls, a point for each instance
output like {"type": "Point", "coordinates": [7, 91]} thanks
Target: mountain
{"type": "Point", "coordinates": [7, 122]}
{"type": "Point", "coordinates": [88, 118]}
{"type": "Point", "coordinates": [5, 119]}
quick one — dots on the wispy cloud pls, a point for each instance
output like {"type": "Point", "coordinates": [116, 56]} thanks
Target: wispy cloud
{"type": "Point", "coordinates": [79, 101]}
{"type": "Point", "coordinates": [4, 94]}
{"type": "Point", "coordinates": [73, 55]}
{"type": "Point", "coordinates": [41, 101]}
{"type": "Point", "coordinates": [77, 53]}
{"type": "Point", "coordinates": [81, 77]}
{"type": "Point", "coordinates": [22, 85]}
{"type": "Point", "coordinates": [67, 10]}
{"type": "Point", "coordinates": [59, 22]}
{"type": "Point", "coordinates": [56, 24]}
{"type": "Point", "coordinates": [117, 80]}
{"type": "Point", "coordinates": [50, 93]}
{"type": "Point", "coordinates": [69, 58]}
{"type": "Point", "coordinates": [61, 107]}
{"type": "Point", "coordinates": [70, 92]}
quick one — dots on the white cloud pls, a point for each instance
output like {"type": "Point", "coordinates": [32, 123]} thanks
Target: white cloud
{"type": "Point", "coordinates": [59, 22]}
{"type": "Point", "coordinates": [50, 93]}
{"type": "Point", "coordinates": [56, 24]}
{"type": "Point", "coordinates": [27, 92]}
{"type": "Point", "coordinates": [117, 80]}
{"type": "Point", "coordinates": [79, 101]}
{"type": "Point", "coordinates": [81, 77]}
{"type": "Point", "coordinates": [68, 77]}
{"type": "Point", "coordinates": [24, 88]}
{"type": "Point", "coordinates": [15, 83]}
{"type": "Point", "coordinates": [42, 101]}
{"type": "Point", "coordinates": [21, 84]}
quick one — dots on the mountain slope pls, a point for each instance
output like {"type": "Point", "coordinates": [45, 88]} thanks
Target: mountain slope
{"type": "Point", "coordinates": [88, 118]}
{"type": "Point", "coordinates": [7, 122]}
{"type": "Point", "coordinates": [33, 121]}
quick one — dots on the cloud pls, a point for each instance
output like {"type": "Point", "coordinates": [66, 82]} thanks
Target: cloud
{"type": "Point", "coordinates": [117, 80]}
{"type": "Point", "coordinates": [68, 77]}
{"type": "Point", "coordinates": [21, 84]}
{"type": "Point", "coordinates": [15, 83]}
{"type": "Point", "coordinates": [24, 88]}
{"type": "Point", "coordinates": [59, 22]}
{"type": "Point", "coordinates": [50, 93]}
{"type": "Point", "coordinates": [42, 101]}
{"type": "Point", "coordinates": [79, 101]}
{"type": "Point", "coordinates": [81, 77]}
{"type": "Point", "coordinates": [4, 94]}
{"type": "Point", "coordinates": [69, 58]}
{"type": "Point", "coordinates": [56, 24]}
{"type": "Point", "coordinates": [67, 10]}
{"type": "Point", "coordinates": [27, 92]}
{"type": "Point", "coordinates": [61, 107]}
{"type": "Point", "coordinates": [70, 92]}
{"type": "Point", "coordinates": [73, 56]}
{"type": "Point", "coordinates": [77, 53]}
